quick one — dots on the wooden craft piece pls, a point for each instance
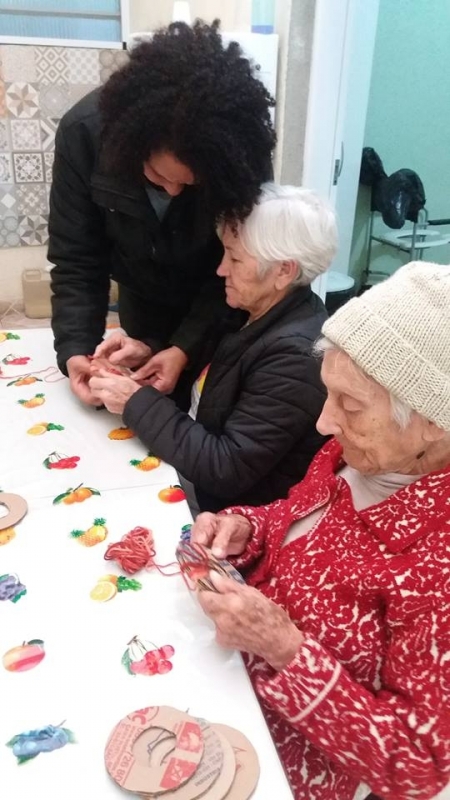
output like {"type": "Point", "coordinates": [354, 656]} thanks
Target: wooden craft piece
{"type": "Point", "coordinates": [17, 508]}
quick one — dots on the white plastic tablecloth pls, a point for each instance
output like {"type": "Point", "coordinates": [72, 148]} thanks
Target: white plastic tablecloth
{"type": "Point", "coordinates": [81, 679]}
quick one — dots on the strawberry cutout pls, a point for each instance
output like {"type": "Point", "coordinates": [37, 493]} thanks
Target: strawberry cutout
{"type": "Point", "coordinates": [144, 658]}
{"type": "Point", "coordinates": [57, 461]}
{"type": "Point", "coordinates": [15, 361]}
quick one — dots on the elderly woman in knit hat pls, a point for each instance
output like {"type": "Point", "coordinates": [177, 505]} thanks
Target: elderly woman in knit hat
{"type": "Point", "coordinates": [345, 618]}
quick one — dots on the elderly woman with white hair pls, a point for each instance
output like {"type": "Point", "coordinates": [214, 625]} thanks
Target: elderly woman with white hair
{"type": "Point", "coordinates": [345, 621]}
{"type": "Point", "coordinates": [250, 433]}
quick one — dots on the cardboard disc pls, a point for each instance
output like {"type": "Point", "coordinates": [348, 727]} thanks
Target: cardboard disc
{"type": "Point", "coordinates": [17, 508]}
{"type": "Point", "coordinates": [247, 763]}
{"type": "Point", "coordinates": [128, 757]}
{"type": "Point", "coordinates": [215, 773]}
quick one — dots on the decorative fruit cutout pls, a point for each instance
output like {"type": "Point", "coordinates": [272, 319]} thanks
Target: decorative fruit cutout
{"type": "Point", "coordinates": [146, 464]}
{"type": "Point", "coordinates": [4, 335]}
{"type": "Point", "coordinates": [6, 535]}
{"type": "Point", "coordinates": [28, 745]}
{"type": "Point", "coordinates": [43, 427]}
{"type": "Point", "coordinates": [26, 656]}
{"type": "Point", "coordinates": [57, 461]}
{"type": "Point", "coordinates": [144, 658]}
{"type": "Point", "coordinates": [37, 400]}
{"type": "Point", "coordinates": [16, 361]}
{"type": "Point", "coordinates": [11, 588]}
{"type": "Point", "coordinates": [173, 494]}
{"type": "Point", "coordinates": [118, 434]}
{"type": "Point", "coordinates": [94, 535]}
{"type": "Point", "coordinates": [77, 495]}
{"type": "Point", "coordinates": [185, 535]}
{"type": "Point", "coordinates": [24, 381]}
{"type": "Point", "coordinates": [108, 586]}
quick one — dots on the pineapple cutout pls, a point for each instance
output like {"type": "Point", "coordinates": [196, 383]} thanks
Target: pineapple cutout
{"type": "Point", "coordinates": [96, 534]}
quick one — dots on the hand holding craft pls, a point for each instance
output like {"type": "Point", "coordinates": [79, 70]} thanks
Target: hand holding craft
{"type": "Point", "coordinates": [112, 390]}
{"type": "Point", "coordinates": [226, 535]}
{"type": "Point", "coordinates": [163, 370]}
{"type": "Point", "coordinates": [246, 620]}
{"type": "Point", "coordinates": [123, 350]}
{"type": "Point", "coordinates": [79, 371]}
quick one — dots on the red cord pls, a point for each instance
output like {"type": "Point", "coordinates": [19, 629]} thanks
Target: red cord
{"type": "Point", "coordinates": [32, 373]}
{"type": "Point", "coordinates": [136, 551]}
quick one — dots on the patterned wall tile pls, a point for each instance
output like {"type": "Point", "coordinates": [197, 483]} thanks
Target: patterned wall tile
{"type": "Point", "coordinates": [18, 63]}
{"type": "Point", "coordinates": [6, 173]}
{"type": "Point", "coordinates": [25, 134]}
{"type": "Point", "coordinates": [84, 65]}
{"type": "Point", "coordinates": [3, 109]}
{"type": "Point", "coordinates": [31, 198]}
{"type": "Point", "coordinates": [9, 231]}
{"type": "Point", "coordinates": [48, 166]}
{"type": "Point", "coordinates": [28, 167]}
{"type": "Point", "coordinates": [48, 130]}
{"type": "Point", "coordinates": [5, 142]}
{"type": "Point", "coordinates": [110, 60]}
{"type": "Point", "coordinates": [22, 100]}
{"type": "Point", "coordinates": [80, 90]}
{"type": "Point", "coordinates": [33, 229]}
{"type": "Point", "coordinates": [54, 99]}
{"type": "Point", "coordinates": [51, 64]}
{"type": "Point", "coordinates": [8, 200]}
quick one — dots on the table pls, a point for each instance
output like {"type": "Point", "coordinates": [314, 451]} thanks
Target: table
{"type": "Point", "coordinates": [81, 679]}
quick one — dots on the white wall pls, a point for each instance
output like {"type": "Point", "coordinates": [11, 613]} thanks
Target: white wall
{"type": "Point", "coordinates": [235, 15]}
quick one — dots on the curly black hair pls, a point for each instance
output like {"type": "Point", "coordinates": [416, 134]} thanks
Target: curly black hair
{"type": "Point", "coordinates": [186, 93]}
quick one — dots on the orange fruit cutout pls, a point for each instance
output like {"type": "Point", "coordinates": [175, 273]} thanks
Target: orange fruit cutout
{"type": "Point", "coordinates": [103, 591]}
{"type": "Point", "coordinates": [119, 434]}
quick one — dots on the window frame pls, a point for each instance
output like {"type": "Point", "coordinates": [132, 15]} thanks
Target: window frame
{"type": "Point", "coordinates": [100, 44]}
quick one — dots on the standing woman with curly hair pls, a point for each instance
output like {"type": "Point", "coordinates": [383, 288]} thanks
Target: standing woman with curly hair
{"type": "Point", "coordinates": [178, 139]}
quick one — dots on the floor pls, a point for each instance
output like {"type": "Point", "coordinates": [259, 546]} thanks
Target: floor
{"type": "Point", "coordinates": [13, 318]}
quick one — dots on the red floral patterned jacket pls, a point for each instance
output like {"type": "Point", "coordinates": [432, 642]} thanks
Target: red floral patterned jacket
{"type": "Point", "coordinates": [367, 697]}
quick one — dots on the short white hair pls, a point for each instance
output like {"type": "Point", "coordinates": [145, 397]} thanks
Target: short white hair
{"type": "Point", "coordinates": [290, 223]}
{"type": "Point", "coordinates": [401, 411]}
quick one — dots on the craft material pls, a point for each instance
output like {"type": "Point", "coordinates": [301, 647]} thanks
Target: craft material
{"type": "Point", "coordinates": [146, 464]}
{"type": "Point", "coordinates": [94, 535]}
{"type": "Point", "coordinates": [143, 657]}
{"type": "Point", "coordinates": [108, 586]}
{"type": "Point", "coordinates": [126, 755]}
{"type": "Point", "coordinates": [59, 461]}
{"type": "Point", "coordinates": [25, 656]}
{"type": "Point", "coordinates": [136, 551]}
{"type": "Point", "coordinates": [196, 562]}
{"type": "Point", "coordinates": [37, 400]}
{"type": "Point", "coordinates": [11, 588]}
{"type": "Point", "coordinates": [98, 364]}
{"type": "Point", "coordinates": [206, 761]}
{"type": "Point", "coordinates": [172, 494]}
{"type": "Point", "coordinates": [29, 744]}
{"type": "Point", "coordinates": [16, 506]}
{"type": "Point", "coordinates": [120, 434]}
{"type": "Point", "coordinates": [77, 495]}
{"type": "Point", "coordinates": [43, 427]}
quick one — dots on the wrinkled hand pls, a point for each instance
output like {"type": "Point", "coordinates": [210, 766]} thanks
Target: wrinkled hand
{"type": "Point", "coordinates": [79, 371]}
{"type": "Point", "coordinates": [123, 350]}
{"type": "Point", "coordinates": [246, 620]}
{"type": "Point", "coordinates": [225, 535]}
{"type": "Point", "coordinates": [113, 391]}
{"type": "Point", "coordinates": [163, 370]}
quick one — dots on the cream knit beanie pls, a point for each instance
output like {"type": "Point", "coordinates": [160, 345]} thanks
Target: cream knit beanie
{"type": "Point", "coordinates": [398, 332]}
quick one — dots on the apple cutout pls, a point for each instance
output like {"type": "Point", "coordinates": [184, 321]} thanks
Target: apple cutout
{"type": "Point", "coordinates": [173, 494]}
{"type": "Point", "coordinates": [24, 657]}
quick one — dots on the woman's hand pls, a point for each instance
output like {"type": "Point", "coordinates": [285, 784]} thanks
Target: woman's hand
{"type": "Point", "coordinates": [246, 620]}
{"type": "Point", "coordinates": [79, 372]}
{"type": "Point", "coordinates": [123, 350]}
{"type": "Point", "coordinates": [112, 390]}
{"type": "Point", "coordinates": [225, 535]}
{"type": "Point", "coordinates": [163, 369]}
